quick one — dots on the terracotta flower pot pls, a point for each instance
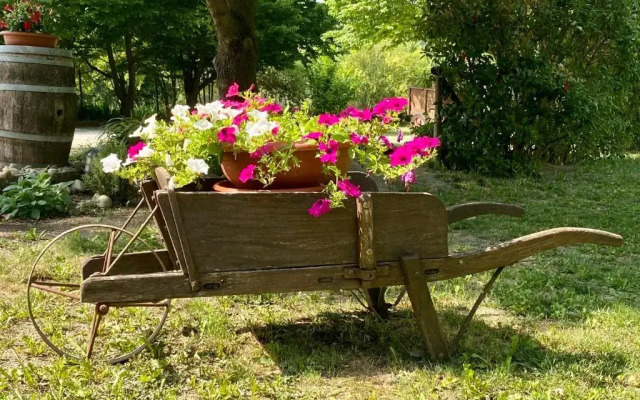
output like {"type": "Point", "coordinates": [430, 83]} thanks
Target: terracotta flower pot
{"type": "Point", "coordinates": [309, 173]}
{"type": "Point", "coordinates": [29, 39]}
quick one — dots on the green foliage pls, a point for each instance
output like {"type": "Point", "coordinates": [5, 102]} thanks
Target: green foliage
{"type": "Point", "coordinates": [33, 196]}
{"type": "Point", "coordinates": [120, 190]}
{"type": "Point", "coordinates": [22, 16]}
{"type": "Point", "coordinates": [288, 86]}
{"type": "Point", "coordinates": [329, 90]}
{"type": "Point", "coordinates": [381, 71]}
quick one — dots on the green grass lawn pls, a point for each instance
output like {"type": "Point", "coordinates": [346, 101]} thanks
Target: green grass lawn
{"type": "Point", "coordinates": [564, 324]}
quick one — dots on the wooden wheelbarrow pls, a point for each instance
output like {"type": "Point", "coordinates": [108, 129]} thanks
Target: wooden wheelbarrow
{"type": "Point", "coordinates": [251, 243]}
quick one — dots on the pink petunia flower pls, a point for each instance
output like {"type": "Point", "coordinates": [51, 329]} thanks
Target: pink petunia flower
{"type": "Point", "coordinates": [313, 135]}
{"type": "Point", "coordinates": [238, 105]}
{"type": "Point", "coordinates": [328, 119]}
{"type": "Point", "coordinates": [421, 145]}
{"type": "Point", "coordinates": [330, 152]}
{"type": "Point", "coordinates": [133, 150]}
{"type": "Point", "coordinates": [386, 141]}
{"type": "Point", "coordinates": [228, 134]}
{"type": "Point", "coordinates": [233, 90]}
{"type": "Point", "coordinates": [359, 139]}
{"type": "Point", "coordinates": [240, 118]}
{"type": "Point", "coordinates": [275, 130]}
{"type": "Point", "coordinates": [409, 177]}
{"type": "Point", "coordinates": [386, 119]}
{"type": "Point", "coordinates": [247, 173]}
{"type": "Point", "coordinates": [320, 207]}
{"type": "Point", "coordinates": [397, 104]}
{"type": "Point", "coordinates": [401, 156]}
{"type": "Point", "coordinates": [348, 188]}
{"type": "Point", "coordinates": [272, 108]}
{"type": "Point", "coordinates": [263, 150]}
{"type": "Point", "coordinates": [381, 108]}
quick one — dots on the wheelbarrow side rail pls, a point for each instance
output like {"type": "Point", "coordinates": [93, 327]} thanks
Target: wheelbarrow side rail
{"type": "Point", "coordinates": [161, 285]}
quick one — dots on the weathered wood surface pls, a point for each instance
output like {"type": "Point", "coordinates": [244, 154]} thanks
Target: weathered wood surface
{"type": "Point", "coordinates": [423, 308]}
{"type": "Point", "coordinates": [515, 250]}
{"type": "Point", "coordinates": [154, 287]}
{"type": "Point", "coordinates": [37, 121]}
{"type": "Point", "coordinates": [366, 242]}
{"type": "Point", "coordinates": [226, 232]}
{"type": "Point", "coordinates": [463, 211]}
{"type": "Point", "coordinates": [129, 264]}
{"type": "Point", "coordinates": [147, 189]}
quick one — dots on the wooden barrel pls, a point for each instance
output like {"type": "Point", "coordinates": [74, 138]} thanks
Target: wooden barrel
{"type": "Point", "coordinates": [37, 105]}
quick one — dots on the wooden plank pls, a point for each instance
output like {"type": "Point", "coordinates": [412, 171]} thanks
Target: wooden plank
{"type": "Point", "coordinates": [423, 308]}
{"type": "Point", "coordinates": [158, 286]}
{"type": "Point", "coordinates": [366, 250]}
{"type": "Point", "coordinates": [515, 250]}
{"type": "Point", "coordinates": [463, 211]}
{"type": "Point", "coordinates": [273, 230]}
{"type": "Point", "coordinates": [129, 264]}
{"type": "Point", "coordinates": [147, 189]}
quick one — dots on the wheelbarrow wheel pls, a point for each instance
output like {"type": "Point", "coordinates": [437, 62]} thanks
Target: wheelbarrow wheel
{"type": "Point", "coordinates": [107, 332]}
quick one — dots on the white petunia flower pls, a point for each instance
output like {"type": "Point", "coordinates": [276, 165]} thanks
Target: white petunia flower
{"type": "Point", "coordinates": [179, 112]}
{"type": "Point", "coordinates": [198, 166]}
{"type": "Point", "coordinates": [111, 163]}
{"type": "Point", "coordinates": [213, 109]}
{"type": "Point", "coordinates": [258, 115]}
{"type": "Point", "coordinates": [203, 125]}
{"type": "Point", "coordinates": [186, 144]}
{"type": "Point", "coordinates": [229, 113]}
{"type": "Point", "coordinates": [128, 162]}
{"type": "Point", "coordinates": [167, 160]}
{"type": "Point", "coordinates": [260, 127]}
{"type": "Point", "coordinates": [146, 151]}
{"type": "Point", "coordinates": [148, 127]}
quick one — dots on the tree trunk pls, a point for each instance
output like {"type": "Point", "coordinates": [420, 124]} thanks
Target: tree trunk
{"type": "Point", "coordinates": [236, 60]}
{"type": "Point", "coordinates": [125, 93]}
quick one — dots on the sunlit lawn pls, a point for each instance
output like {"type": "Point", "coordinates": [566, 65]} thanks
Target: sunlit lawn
{"type": "Point", "coordinates": [561, 325]}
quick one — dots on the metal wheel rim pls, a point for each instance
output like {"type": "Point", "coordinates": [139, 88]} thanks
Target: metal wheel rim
{"type": "Point", "coordinates": [44, 337]}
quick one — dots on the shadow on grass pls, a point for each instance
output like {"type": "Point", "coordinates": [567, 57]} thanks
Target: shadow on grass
{"type": "Point", "coordinates": [358, 344]}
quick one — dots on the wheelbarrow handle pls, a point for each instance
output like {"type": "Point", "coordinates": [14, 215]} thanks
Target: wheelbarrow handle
{"type": "Point", "coordinates": [515, 250]}
{"type": "Point", "coordinates": [468, 210]}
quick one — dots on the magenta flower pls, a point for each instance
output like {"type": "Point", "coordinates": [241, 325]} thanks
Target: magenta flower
{"type": "Point", "coordinates": [238, 105]}
{"type": "Point", "coordinates": [228, 134]}
{"type": "Point", "coordinates": [313, 135]}
{"type": "Point", "coordinates": [330, 152]}
{"type": "Point", "coordinates": [263, 150]}
{"type": "Point", "coordinates": [328, 119]}
{"type": "Point", "coordinates": [422, 145]}
{"type": "Point", "coordinates": [386, 141]}
{"type": "Point", "coordinates": [362, 115]}
{"type": "Point", "coordinates": [409, 177]}
{"type": "Point", "coordinates": [397, 104]}
{"type": "Point", "coordinates": [275, 130]}
{"type": "Point", "coordinates": [272, 108]}
{"type": "Point", "coordinates": [260, 101]}
{"type": "Point", "coordinates": [401, 156]}
{"type": "Point", "coordinates": [240, 118]}
{"type": "Point", "coordinates": [133, 151]}
{"type": "Point", "coordinates": [233, 90]}
{"type": "Point", "coordinates": [359, 139]}
{"type": "Point", "coordinates": [349, 188]}
{"type": "Point", "coordinates": [381, 108]}
{"type": "Point", "coordinates": [247, 173]}
{"type": "Point", "coordinates": [386, 119]}
{"type": "Point", "coordinates": [320, 207]}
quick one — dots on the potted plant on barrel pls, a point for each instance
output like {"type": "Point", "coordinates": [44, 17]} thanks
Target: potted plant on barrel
{"type": "Point", "coordinates": [21, 24]}
{"type": "Point", "coordinates": [261, 145]}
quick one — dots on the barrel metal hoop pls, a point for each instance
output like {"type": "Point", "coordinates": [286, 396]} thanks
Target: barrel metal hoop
{"type": "Point", "coordinates": [35, 50]}
{"type": "Point", "coordinates": [35, 138]}
{"type": "Point", "coordinates": [36, 88]}
{"type": "Point", "coordinates": [34, 60]}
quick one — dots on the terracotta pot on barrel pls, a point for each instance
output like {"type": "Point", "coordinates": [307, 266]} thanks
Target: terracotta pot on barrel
{"type": "Point", "coordinates": [308, 174]}
{"type": "Point", "coordinates": [29, 39]}
{"type": "Point", "coordinates": [37, 105]}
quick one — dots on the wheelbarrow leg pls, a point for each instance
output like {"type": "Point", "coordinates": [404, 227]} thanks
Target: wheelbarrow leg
{"type": "Point", "coordinates": [423, 309]}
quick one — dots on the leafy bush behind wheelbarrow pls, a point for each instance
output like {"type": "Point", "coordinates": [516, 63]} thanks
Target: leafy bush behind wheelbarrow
{"type": "Point", "coordinates": [33, 196]}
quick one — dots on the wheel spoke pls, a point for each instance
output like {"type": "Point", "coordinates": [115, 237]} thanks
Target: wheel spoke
{"type": "Point", "coordinates": [109, 252]}
{"type": "Point", "coordinates": [55, 291]}
{"type": "Point", "coordinates": [58, 284]}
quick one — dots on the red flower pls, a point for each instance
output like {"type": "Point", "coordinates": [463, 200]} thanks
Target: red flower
{"type": "Point", "coordinates": [3, 25]}
{"type": "Point", "coordinates": [35, 18]}
{"type": "Point", "coordinates": [26, 25]}
{"type": "Point", "coordinates": [8, 8]}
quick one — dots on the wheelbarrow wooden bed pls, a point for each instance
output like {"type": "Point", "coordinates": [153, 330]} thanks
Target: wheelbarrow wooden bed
{"type": "Point", "coordinates": [220, 244]}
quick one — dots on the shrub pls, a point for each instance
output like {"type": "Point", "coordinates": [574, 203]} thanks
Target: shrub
{"type": "Point", "coordinates": [330, 91]}
{"type": "Point", "coordinates": [534, 81]}
{"type": "Point", "coordinates": [98, 181]}
{"type": "Point", "coordinates": [33, 196]}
